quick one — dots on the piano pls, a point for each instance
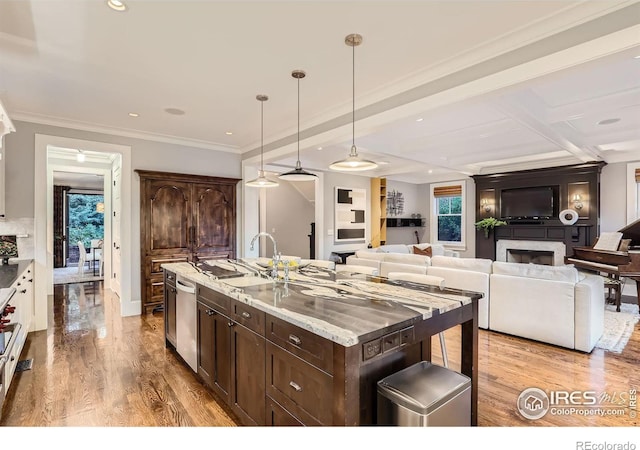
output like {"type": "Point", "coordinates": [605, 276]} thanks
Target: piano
{"type": "Point", "coordinates": [623, 262]}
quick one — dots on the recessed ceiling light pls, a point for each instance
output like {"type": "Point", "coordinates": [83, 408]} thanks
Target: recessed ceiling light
{"type": "Point", "coordinates": [174, 111]}
{"type": "Point", "coordinates": [420, 119]}
{"type": "Point", "coordinates": [430, 171]}
{"type": "Point", "coordinates": [609, 121]}
{"type": "Point", "coordinates": [636, 57]}
{"type": "Point", "coordinates": [80, 157]}
{"type": "Point", "coordinates": [228, 133]}
{"type": "Point", "coordinates": [116, 5]}
{"type": "Point", "coordinates": [132, 114]}
{"type": "Point", "coordinates": [319, 148]}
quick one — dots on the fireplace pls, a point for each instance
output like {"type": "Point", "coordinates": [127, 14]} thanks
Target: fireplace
{"type": "Point", "coordinates": [531, 252]}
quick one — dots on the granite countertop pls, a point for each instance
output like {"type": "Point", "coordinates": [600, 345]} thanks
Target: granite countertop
{"type": "Point", "coordinates": [10, 272]}
{"type": "Point", "coordinates": [343, 307]}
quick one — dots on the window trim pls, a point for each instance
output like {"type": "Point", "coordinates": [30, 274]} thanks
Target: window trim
{"type": "Point", "coordinates": [433, 229]}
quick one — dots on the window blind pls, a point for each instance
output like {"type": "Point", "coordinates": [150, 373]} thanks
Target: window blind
{"type": "Point", "coordinates": [456, 190]}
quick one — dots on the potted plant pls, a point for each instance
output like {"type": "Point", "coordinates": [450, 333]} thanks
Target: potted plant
{"type": "Point", "coordinates": [489, 224]}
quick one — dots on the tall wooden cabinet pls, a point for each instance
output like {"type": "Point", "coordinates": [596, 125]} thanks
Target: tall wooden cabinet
{"type": "Point", "coordinates": [182, 218]}
{"type": "Point", "coordinates": [378, 211]}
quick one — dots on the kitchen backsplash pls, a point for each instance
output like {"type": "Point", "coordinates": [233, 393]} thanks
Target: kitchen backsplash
{"type": "Point", "coordinates": [21, 228]}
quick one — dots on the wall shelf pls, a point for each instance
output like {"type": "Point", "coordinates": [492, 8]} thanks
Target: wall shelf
{"type": "Point", "coordinates": [405, 222]}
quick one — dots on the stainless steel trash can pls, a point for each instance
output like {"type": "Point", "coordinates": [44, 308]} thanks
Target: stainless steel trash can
{"type": "Point", "coordinates": [424, 395]}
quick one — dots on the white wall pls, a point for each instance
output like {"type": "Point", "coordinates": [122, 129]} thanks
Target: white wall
{"type": "Point", "coordinates": [148, 155]}
{"type": "Point", "coordinates": [331, 181]}
{"type": "Point", "coordinates": [613, 197]}
{"type": "Point", "coordinates": [288, 218]}
{"type": "Point", "coordinates": [415, 202]}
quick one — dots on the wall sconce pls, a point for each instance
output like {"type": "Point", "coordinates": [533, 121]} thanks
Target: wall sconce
{"type": "Point", "coordinates": [577, 202]}
{"type": "Point", "coordinates": [484, 203]}
{"type": "Point", "coordinates": [100, 207]}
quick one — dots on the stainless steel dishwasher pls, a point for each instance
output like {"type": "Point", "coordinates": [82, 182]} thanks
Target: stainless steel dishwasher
{"type": "Point", "coordinates": [186, 311]}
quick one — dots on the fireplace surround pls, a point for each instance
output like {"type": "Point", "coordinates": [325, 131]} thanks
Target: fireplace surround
{"type": "Point", "coordinates": [536, 252]}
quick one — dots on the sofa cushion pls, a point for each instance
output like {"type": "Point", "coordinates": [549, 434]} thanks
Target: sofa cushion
{"type": "Point", "coordinates": [426, 252]}
{"type": "Point", "coordinates": [567, 273]}
{"type": "Point", "coordinates": [436, 249]}
{"type": "Point", "coordinates": [368, 254]}
{"type": "Point", "coordinates": [471, 264]}
{"type": "Point", "coordinates": [419, 260]}
{"type": "Point", "coordinates": [394, 248]}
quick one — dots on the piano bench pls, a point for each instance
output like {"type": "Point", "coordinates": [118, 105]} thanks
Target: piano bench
{"type": "Point", "coordinates": [615, 285]}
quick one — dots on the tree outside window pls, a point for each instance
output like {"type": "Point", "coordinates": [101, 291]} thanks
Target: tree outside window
{"type": "Point", "coordinates": [449, 218]}
{"type": "Point", "coordinates": [85, 222]}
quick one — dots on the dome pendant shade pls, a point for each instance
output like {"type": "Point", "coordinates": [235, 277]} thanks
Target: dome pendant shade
{"type": "Point", "coordinates": [298, 174]}
{"type": "Point", "coordinates": [262, 180]}
{"type": "Point", "coordinates": [353, 163]}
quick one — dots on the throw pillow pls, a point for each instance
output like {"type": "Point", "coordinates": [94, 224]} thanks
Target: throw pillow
{"type": "Point", "coordinates": [426, 252]}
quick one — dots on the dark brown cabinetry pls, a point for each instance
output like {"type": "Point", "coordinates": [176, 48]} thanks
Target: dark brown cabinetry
{"type": "Point", "coordinates": [231, 353]}
{"type": "Point", "coordinates": [182, 218]}
{"type": "Point", "coordinates": [170, 307]}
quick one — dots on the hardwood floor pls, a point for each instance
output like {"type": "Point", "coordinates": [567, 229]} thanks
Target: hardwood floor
{"type": "Point", "coordinates": [95, 368]}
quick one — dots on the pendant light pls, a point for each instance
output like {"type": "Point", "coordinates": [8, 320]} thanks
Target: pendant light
{"type": "Point", "coordinates": [353, 163]}
{"type": "Point", "coordinates": [298, 174]}
{"type": "Point", "coordinates": [262, 180]}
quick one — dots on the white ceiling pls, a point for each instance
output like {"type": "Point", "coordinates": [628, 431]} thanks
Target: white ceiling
{"type": "Point", "coordinates": [83, 181]}
{"type": "Point", "coordinates": [498, 85]}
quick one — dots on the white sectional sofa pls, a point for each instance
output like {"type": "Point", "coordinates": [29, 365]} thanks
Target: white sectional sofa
{"type": "Point", "coordinates": [398, 258]}
{"type": "Point", "coordinates": [470, 274]}
{"type": "Point", "coordinates": [553, 304]}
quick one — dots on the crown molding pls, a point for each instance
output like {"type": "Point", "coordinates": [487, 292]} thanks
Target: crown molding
{"type": "Point", "coordinates": [65, 123]}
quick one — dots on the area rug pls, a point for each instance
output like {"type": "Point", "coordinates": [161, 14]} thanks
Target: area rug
{"type": "Point", "coordinates": [618, 327]}
{"type": "Point", "coordinates": [66, 275]}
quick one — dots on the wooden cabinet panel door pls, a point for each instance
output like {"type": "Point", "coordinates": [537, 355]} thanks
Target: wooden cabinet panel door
{"type": "Point", "coordinates": [213, 350]}
{"type": "Point", "coordinates": [169, 220]}
{"type": "Point", "coordinates": [248, 375]}
{"type": "Point", "coordinates": [214, 218]}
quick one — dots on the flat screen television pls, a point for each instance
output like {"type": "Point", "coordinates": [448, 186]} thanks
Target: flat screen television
{"type": "Point", "coordinates": [540, 202]}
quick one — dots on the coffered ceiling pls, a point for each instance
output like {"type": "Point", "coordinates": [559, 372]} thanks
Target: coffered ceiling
{"type": "Point", "coordinates": [443, 88]}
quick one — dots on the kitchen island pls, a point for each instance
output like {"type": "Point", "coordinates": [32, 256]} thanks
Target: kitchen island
{"type": "Point", "coordinates": [310, 350]}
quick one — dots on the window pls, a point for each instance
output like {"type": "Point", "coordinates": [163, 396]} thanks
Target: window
{"type": "Point", "coordinates": [447, 217]}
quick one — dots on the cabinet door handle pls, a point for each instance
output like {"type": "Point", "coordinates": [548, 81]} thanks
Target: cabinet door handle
{"type": "Point", "coordinates": [169, 277]}
{"type": "Point", "coordinates": [246, 315]}
{"type": "Point", "coordinates": [24, 291]}
{"type": "Point", "coordinates": [230, 323]}
{"type": "Point", "coordinates": [211, 312]}
{"type": "Point", "coordinates": [295, 385]}
{"type": "Point", "coordinates": [172, 289]}
{"type": "Point", "coordinates": [31, 280]}
{"type": "Point", "coordinates": [295, 339]}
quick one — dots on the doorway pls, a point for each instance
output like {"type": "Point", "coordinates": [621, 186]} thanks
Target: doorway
{"type": "Point", "coordinates": [78, 216]}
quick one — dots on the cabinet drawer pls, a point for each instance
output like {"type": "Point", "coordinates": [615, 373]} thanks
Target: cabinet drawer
{"type": "Point", "coordinates": [302, 343]}
{"type": "Point", "coordinates": [277, 416]}
{"type": "Point", "coordinates": [156, 286]}
{"type": "Point", "coordinates": [156, 263]}
{"type": "Point", "coordinates": [169, 278]}
{"type": "Point", "coordinates": [214, 299]}
{"type": "Point", "coordinates": [291, 381]}
{"type": "Point", "coordinates": [248, 316]}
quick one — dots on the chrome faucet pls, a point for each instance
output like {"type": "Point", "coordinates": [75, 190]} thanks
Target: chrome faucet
{"type": "Point", "coordinates": [276, 255]}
